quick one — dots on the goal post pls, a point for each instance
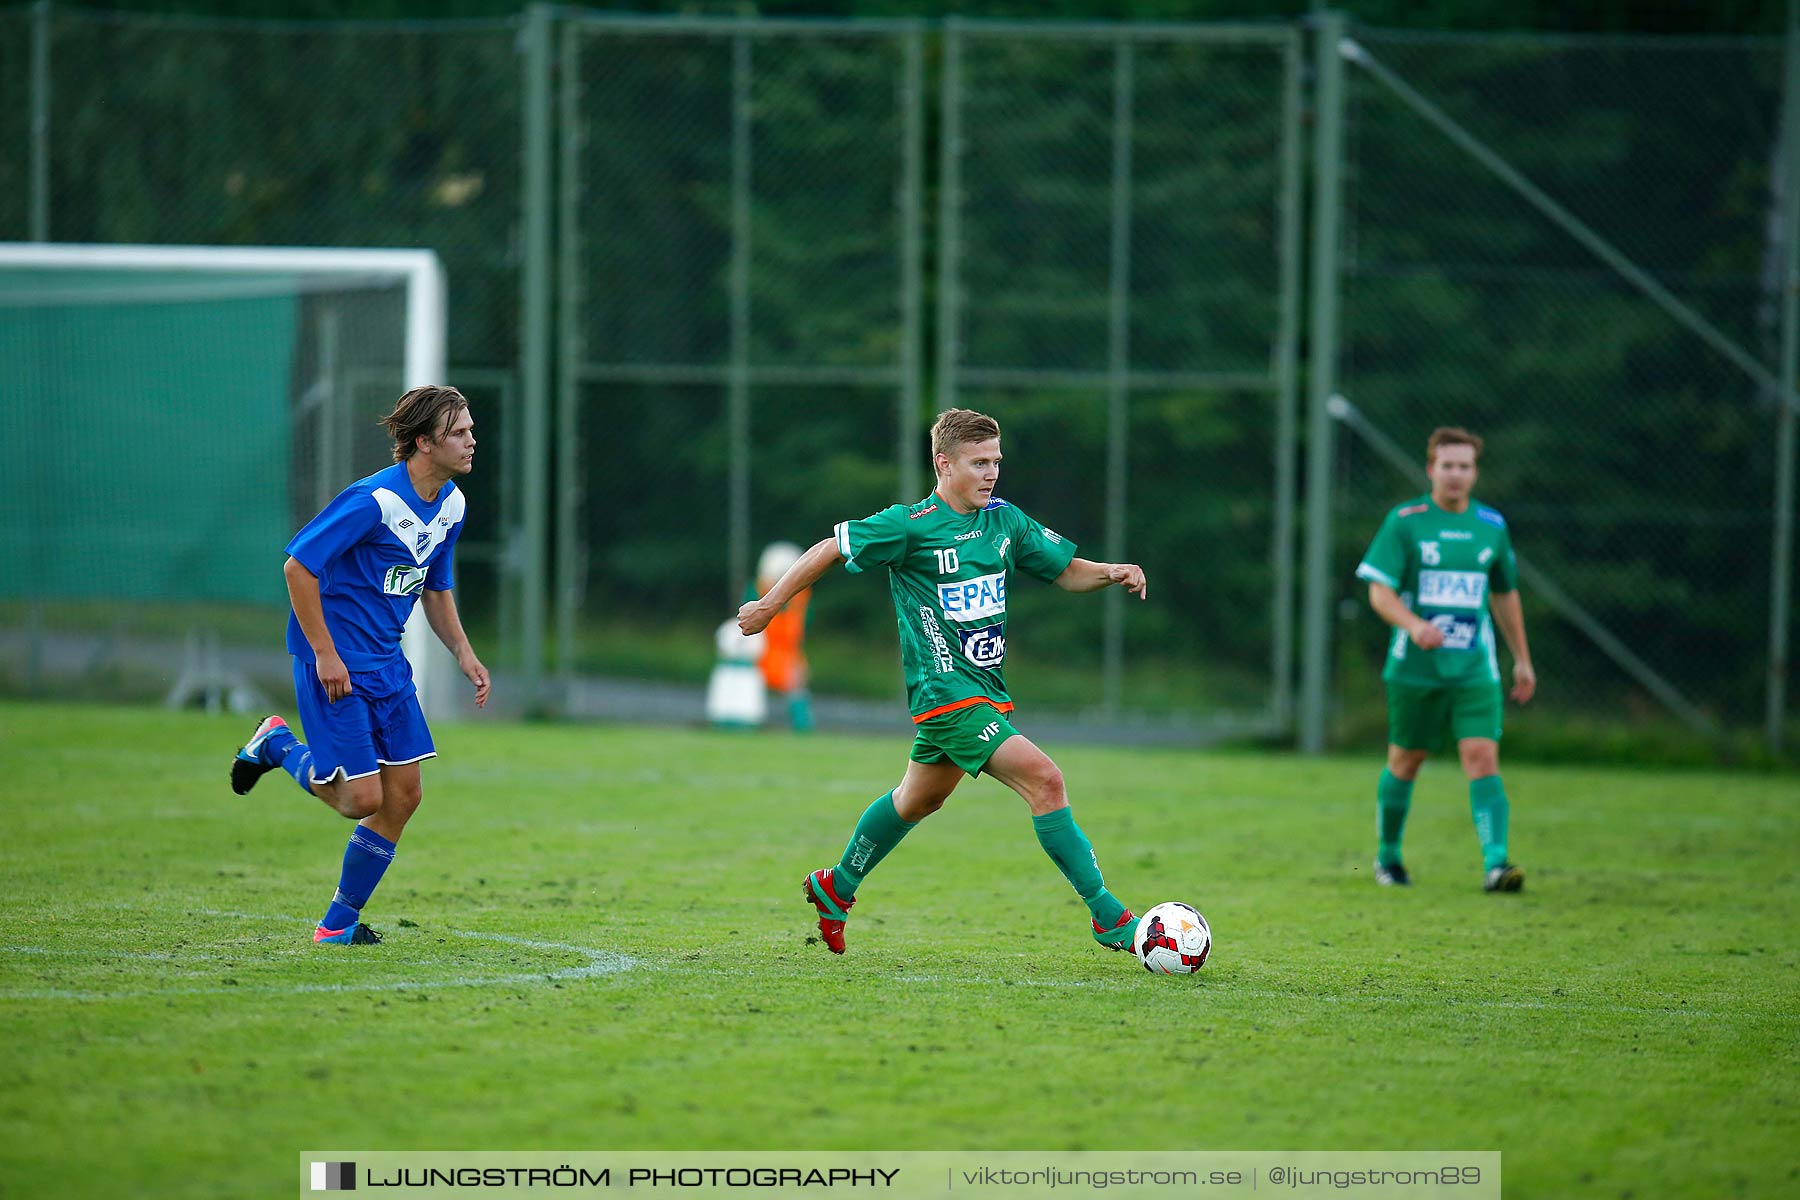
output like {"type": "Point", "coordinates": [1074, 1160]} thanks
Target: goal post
{"type": "Point", "coordinates": [181, 408]}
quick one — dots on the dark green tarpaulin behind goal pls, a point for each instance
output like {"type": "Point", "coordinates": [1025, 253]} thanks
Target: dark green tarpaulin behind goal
{"type": "Point", "coordinates": [145, 453]}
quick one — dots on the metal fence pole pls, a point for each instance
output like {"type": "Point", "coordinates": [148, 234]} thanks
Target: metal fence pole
{"type": "Point", "coordinates": [738, 388]}
{"type": "Point", "coordinates": [534, 344]}
{"type": "Point", "coordinates": [1781, 550]}
{"type": "Point", "coordinates": [949, 216]}
{"type": "Point", "coordinates": [571, 535]}
{"type": "Point", "coordinates": [40, 121]}
{"type": "Point", "coordinates": [1328, 136]}
{"type": "Point", "coordinates": [912, 191]}
{"type": "Point", "coordinates": [1118, 374]}
{"type": "Point", "coordinates": [1287, 353]}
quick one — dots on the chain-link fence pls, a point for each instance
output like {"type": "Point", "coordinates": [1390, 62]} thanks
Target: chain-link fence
{"type": "Point", "coordinates": [1117, 256]}
{"type": "Point", "coordinates": [709, 280]}
{"type": "Point", "coordinates": [1578, 248]}
{"type": "Point", "coordinates": [739, 281]}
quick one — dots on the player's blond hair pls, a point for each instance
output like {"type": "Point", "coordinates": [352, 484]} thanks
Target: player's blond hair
{"type": "Point", "coordinates": [958, 427]}
{"type": "Point", "coordinates": [1450, 435]}
{"type": "Point", "coordinates": [424, 412]}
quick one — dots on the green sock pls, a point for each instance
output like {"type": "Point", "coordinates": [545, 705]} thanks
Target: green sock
{"type": "Point", "coordinates": [878, 832]}
{"type": "Point", "coordinates": [1073, 855]}
{"type": "Point", "coordinates": [1487, 804]}
{"type": "Point", "coordinates": [1393, 797]}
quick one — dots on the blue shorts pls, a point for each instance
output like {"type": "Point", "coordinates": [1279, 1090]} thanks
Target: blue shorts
{"type": "Point", "coordinates": [379, 724]}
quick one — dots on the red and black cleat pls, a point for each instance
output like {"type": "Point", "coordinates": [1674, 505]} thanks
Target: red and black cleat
{"type": "Point", "coordinates": [1119, 937]}
{"type": "Point", "coordinates": [832, 911]}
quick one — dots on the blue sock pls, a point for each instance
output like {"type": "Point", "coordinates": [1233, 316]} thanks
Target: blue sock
{"type": "Point", "coordinates": [276, 746]}
{"type": "Point", "coordinates": [285, 750]}
{"type": "Point", "coordinates": [297, 761]}
{"type": "Point", "coordinates": [365, 859]}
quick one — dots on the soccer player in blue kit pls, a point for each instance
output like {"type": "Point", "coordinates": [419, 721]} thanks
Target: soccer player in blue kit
{"type": "Point", "coordinates": [354, 573]}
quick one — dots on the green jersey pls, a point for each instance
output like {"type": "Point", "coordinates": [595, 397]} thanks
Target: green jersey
{"type": "Point", "coordinates": [948, 572]}
{"type": "Point", "coordinates": [1443, 564]}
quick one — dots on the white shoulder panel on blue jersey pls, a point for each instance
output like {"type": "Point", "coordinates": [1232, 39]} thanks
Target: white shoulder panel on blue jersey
{"type": "Point", "coordinates": [419, 536]}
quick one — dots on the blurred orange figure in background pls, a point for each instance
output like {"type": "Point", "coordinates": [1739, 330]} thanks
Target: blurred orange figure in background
{"type": "Point", "coordinates": [783, 659]}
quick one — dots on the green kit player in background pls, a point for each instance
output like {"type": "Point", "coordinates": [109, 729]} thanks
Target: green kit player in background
{"type": "Point", "coordinates": [948, 559]}
{"type": "Point", "coordinates": [1437, 566]}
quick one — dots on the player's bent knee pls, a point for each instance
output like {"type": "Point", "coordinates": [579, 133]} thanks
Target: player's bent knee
{"type": "Point", "coordinates": [1480, 766]}
{"type": "Point", "coordinates": [1046, 792]}
{"type": "Point", "coordinates": [1480, 756]}
{"type": "Point", "coordinates": [357, 802]}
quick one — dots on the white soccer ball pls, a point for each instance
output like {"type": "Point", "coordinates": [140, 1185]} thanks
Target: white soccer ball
{"type": "Point", "coordinates": [1172, 939]}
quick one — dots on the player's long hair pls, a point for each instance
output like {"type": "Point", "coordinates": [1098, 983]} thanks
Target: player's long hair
{"type": "Point", "coordinates": [422, 413]}
{"type": "Point", "coordinates": [959, 426]}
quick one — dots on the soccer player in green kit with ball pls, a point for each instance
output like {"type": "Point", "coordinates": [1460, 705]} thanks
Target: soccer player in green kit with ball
{"type": "Point", "coordinates": [948, 559]}
{"type": "Point", "coordinates": [1439, 565]}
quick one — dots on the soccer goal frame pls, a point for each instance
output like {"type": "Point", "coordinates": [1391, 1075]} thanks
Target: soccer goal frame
{"type": "Point", "coordinates": [419, 272]}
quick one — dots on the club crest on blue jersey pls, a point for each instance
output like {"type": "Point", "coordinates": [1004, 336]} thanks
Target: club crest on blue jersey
{"type": "Point", "coordinates": [985, 647]}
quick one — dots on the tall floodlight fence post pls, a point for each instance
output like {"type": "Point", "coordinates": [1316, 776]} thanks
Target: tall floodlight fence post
{"type": "Point", "coordinates": [911, 199]}
{"type": "Point", "coordinates": [1322, 367]}
{"type": "Point", "coordinates": [1287, 383]}
{"type": "Point", "coordinates": [950, 201]}
{"type": "Point", "coordinates": [571, 432]}
{"type": "Point", "coordinates": [40, 121]}
{"type": "Point", "coordinates": [1781, 551]}
{"type": "Point", "coordinates": [738, 392]}
{"type": "Point", "coordinates": [537, 281]}
{"type": "Point", "coordinates": [1118, 373]}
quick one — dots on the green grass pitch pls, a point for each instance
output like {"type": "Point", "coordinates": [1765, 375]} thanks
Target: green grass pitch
{"type": "Point", "coordinates": [597, 941]}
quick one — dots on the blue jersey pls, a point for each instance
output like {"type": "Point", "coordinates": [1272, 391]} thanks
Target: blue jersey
{"type": "Point", "coordinates": [375, 547]}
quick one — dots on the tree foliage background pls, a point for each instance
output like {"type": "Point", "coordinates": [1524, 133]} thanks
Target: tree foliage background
{"type": "Point", "coordinates": [1634, 465]}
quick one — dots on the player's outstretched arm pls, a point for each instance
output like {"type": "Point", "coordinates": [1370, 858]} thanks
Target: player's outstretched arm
{"type": "Point", "coordinates": [1386, 603]}
{"type": "Point", "coordinates": [309, 611]}
{"type": "Point", "coordinates": [1081, 575]}
{"type": "Point", "coordinates": [1509, 614]}
{"type": "Point", "coordinates": [440, 613]}
{"type": "Point", "coordinates": [754, 617]}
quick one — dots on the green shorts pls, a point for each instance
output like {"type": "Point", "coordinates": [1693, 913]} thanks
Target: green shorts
{"type": "Point", "coordinates": [967, 737]}
{"type": "Point", "coordinates": [1419, 718]}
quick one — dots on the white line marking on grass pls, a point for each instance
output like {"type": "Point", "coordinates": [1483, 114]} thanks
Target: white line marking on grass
{"type": "Point", "coordinates": [598, 964]}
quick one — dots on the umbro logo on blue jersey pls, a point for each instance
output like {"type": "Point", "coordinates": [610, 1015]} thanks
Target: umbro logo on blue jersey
{"type": "Point", "coordinates": [406, 522]}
